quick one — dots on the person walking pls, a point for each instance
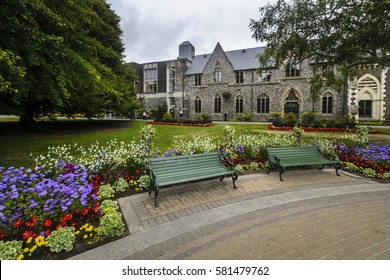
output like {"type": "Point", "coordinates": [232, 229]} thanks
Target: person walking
{"type": "Point", "coordinates": [225, 117]}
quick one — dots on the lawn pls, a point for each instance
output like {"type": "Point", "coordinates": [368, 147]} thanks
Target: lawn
{"type": "Point", "coordinates": [18, 148]}
{"type": "Point", "coordinates": [70, 201]}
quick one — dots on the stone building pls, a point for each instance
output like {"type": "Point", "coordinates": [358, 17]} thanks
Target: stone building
{"type": "Point", "coordinates": [229, 82]}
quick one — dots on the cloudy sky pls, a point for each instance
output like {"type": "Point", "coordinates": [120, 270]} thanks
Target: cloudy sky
{"type": "Point", "coordinates": [154, 29]}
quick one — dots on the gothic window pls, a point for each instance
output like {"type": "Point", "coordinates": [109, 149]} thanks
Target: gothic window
{"type": "Point", "coordinates": [239, 77]}
{"type": "Point", "coordinates": [198, 105]}
{"type": "Point", "coordinates": [327, 104]}
{"type": "Point", "coordinates": [293, 69]}
{"type": "Point", "coordinates": [292, 104]}
{"type": "Point", "coordinates": [239, 104]}
{"type": "Point", "coordinates": [218, 73]}
{"type": "Point", "coordinates": [263, 104]}
{"type": "Point", "coordinates": [217, 104]}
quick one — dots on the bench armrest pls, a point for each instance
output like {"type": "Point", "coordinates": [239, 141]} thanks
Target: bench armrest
{"type": "Point", "coordinates": [152, 176]}
{"type": "Point", "coordinates": [277, 160]}
{"type": "Point", "coordinates": [227, 163]}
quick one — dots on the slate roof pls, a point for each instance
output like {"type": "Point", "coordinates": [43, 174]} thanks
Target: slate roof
{"type": "Point", "coordinates": [243, 59]}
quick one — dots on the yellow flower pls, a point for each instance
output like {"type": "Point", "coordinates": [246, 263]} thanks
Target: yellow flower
{"type": "Point", "coordinates": [85, 236]}
{"type": "Point", "coordinates": [77, 232]}
{"type": "Point", "coordinates": [20, 257]}
{"type": "Point", "coordinates": [29, 240]}
{"type": "Point", "coordinates": [26, 250]}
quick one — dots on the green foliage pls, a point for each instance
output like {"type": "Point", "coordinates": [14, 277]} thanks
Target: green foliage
{"type": "Point", "coordinates": [167, 116]}
{"type": "Point", "coordinates": [290, 119]}
{"type": "Point", "coordinates": [144, 181]}
{"type": "Point", "coordinates": [61, 239]}
{"type": "Point", "coordinates": [108, 205]}
{"type": "Point", "coordinates": [298, 136]}
{"type": "Point", "coordinates": [120, 185]}
{"type": "Point", "coordinates": [71, 53]}
{"type": "Point", "coordinates": [228, 132]}
{"type": "Point", "coordinates": [226, 95]}
{"type": "Point", "coordinates": [361, 136]}
{"type": "Point", "coordinates": [111, 224]}
{"type": "Point", "coordinates": [247, 117]}
{"type": "Point", "coordinates": [146, 141]}
{"type": "Point", "coordinates": [106, 191]}
{"type": "Point", "coordinates": [10, 250]}
{"type": "Point", "coordinates": [202, 117]}
{"type": "Point", "coordinates": [327, 30]}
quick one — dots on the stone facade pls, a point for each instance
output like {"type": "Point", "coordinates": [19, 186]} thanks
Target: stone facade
{"type": "Point", "coordinates": [200, 83]}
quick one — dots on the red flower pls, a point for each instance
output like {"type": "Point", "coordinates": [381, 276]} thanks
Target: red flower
{"type": "Point", "coordinates": [47, 223]}
{"type": "Point", "coordinates": [48, 232]}
{"type": "Point", "coordinates": [2, 235]}
{"type": "Point", "coordinates": [27, 234]}
{"type": "Point", "coordinates": [84, 212]}
{"type": "Point", "coordinates": [17, 223]}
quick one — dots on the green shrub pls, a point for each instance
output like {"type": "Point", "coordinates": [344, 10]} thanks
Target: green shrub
{"type": "Point", "coordinates": [167, 116]}
{"type": "Point", "coordinates": [290, 120]}
{"type": "Point", "coordinates": [61, 239]}
{"type": "Point", "coordinates": [10, 250]}
{"type": "Point", "coordinates": [111, 224]}
{"type": "Point", "coordinates": [121, 185]}
{"type": "Point", "coordinates": [108, 205]}
{"type": "Point", "coordinates": [106, 191]}
{"type": "Point", "coordinates": [247, 117]}
{"type": "Point", "coordinates": [144, 181]}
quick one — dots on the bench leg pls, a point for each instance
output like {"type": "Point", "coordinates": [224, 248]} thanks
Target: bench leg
{"type": "Point", "coordinates": [322, 167]}
{"type": "Point", "coordinates": [222, 177]}
{"type": "Point", "coordinates": [337, 167]}
{"type": "Point", "coordinates": [234, 177]}
{"type": "Point", "coordinates": [281, 171]}
{"type": "Point", "coordinates": [156, 197]}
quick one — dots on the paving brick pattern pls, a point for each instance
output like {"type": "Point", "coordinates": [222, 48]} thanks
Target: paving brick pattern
{"type": "Point", "coordinates": [184, 200]}
{"type": "Point", "coordinates": [353, 226]}
{"type": "Point", "coordinates": [311, 215]}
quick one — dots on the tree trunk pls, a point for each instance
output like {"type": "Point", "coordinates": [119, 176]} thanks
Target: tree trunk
{"type": "Point", "coordinates": [26, 120]}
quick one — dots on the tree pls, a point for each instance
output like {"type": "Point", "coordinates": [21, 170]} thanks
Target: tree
{"type": "Point", "coordinates": [71, 53]}
{"type": "Point", "coordinates": [344, 32]}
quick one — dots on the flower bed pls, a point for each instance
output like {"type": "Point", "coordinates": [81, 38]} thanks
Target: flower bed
{"type": "Point", "coordinates": [183, 122]}
{"type": "Point", "coordinates": [320, 129]}
{"type": "Point", "coordinates": [373, 161]}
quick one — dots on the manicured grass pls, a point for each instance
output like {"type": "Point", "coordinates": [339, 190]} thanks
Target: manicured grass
{"type": "Point", "coordinates": [18, 148]}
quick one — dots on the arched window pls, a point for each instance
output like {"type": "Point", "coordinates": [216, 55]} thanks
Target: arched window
{"type": "Point", "coordinates": [365, 105]}
{"type": "Point", "coordinates": [218, 73]}
{"type": "Point", "coordinates": [327, 104]}
{"type": "Point", "coordinates": [291, 104]}
{"type": "Point", "coordinates": [217, 104]}
{"type": "Point", "coordinates": [263, 104]}
{"type": "Point", "coordinates": [239, 104]}
{"type": "Point", "coordinates": [198, 105]}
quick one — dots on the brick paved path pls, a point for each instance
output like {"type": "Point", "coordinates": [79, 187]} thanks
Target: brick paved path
{"type": "Point", "coordinates": [311, 215]}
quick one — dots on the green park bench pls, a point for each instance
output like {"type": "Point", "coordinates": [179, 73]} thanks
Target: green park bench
{"type": "Point", "coordinates": [168, 171]}
{"type": "Point", "coordinates": [281, 158]}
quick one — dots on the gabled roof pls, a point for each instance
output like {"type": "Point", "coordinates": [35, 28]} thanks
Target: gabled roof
{"type": "Point", "coordinates": [243, 59]}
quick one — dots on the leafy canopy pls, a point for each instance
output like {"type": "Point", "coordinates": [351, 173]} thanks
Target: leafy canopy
{"type": "Point", "coordinates": [344, 32]}
{"type": "Point", "coordinates": [63, 57]}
